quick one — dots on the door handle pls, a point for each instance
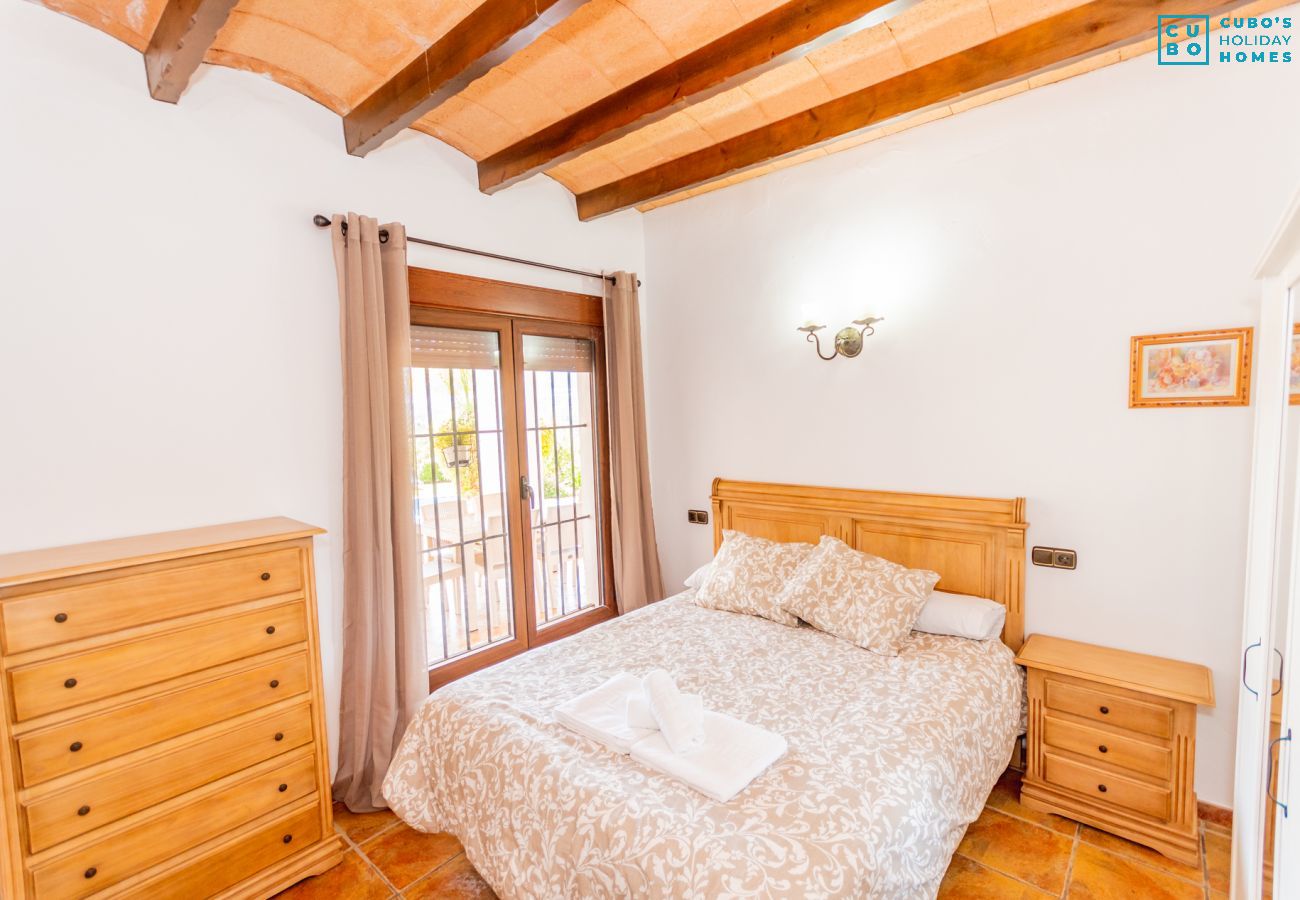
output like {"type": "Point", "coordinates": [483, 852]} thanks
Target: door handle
{"type": "Point", "coordinates": [526, 491]}
{"type": "Point", "coordinates": [1268, 778]}
{"type": "Point", "coordinates": [1245, 659]}
{"type": "Point", "coordinates": [1281, 664]}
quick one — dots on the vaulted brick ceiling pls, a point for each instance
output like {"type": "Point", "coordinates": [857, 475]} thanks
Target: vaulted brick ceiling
{"type": "Point", "coordinates": [638, 103]}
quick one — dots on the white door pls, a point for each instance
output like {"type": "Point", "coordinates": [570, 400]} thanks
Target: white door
{"type": "Point", "coordinates": [1272, 588]}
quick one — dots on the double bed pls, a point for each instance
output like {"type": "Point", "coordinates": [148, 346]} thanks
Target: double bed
{"type": "Point", "coordinates": [889, 759]}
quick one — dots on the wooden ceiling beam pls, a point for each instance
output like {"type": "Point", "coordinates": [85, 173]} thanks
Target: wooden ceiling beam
{"type": "Point", "coordinates": [185, 31]}
{"type": "Point", "coordinates": [1056, 40]}
{"type": "Point", "coordinates": [491, 34]}
{"type": "Point", "coordinates": [793, 29]}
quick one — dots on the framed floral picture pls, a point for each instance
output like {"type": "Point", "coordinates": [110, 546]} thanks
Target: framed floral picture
{"type": "Point", "coordinates": [1195, 368]}
{"type": "Point", "coordinates": [1294, 365]}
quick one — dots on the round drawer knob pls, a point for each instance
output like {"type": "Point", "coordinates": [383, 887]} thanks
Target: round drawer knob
{"type": "Point", "coordinates": [287, 838]}
{"type": "Point", "coordinates": [75, 747]}
{"type": "Point", "coordinates": [1105, 710]}
{"type": "Point", "coordinates": [283, 788]}
{"type": "Point", "coordinates": [92, 872]}
{"type": "Point", "coordinates": [275, 682]}
{"type": "Point", "coordinates": [84, 811]}
{"type": "Point", "coordinates": [1102, 788]}
{"type": "Point", "coordinates": [61, 618]}
{"type": "Point", "coordinates": [70, 683]}
{"type": "Point", "coordinates": [279, 735]}
{"type": "Point", "coordinates": [270, 629]}
{"type": "Point", "coordinates": [1103, 749]}
{"type": "Point", "coordinates": [266, 576]}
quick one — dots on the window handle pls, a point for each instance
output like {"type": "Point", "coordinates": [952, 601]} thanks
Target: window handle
{"type": "Point", "coordinates": [526, 491]}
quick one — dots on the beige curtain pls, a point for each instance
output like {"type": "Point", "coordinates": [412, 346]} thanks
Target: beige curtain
{"type": "Point", "coordinates": [385, 673]}
{"type": "Point", "coordinates": [636, 554]}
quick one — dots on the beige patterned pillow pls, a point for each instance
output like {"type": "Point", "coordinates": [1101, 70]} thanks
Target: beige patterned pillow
{"type": "Point", "coordinates": [856, 596]}
{"type": "Point", "coordinates": [749, 574]}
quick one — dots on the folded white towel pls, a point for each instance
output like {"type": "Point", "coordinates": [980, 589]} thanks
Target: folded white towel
{"type": "Point", "coordinates": [639, 714]}
{"type": "Point", "coordinates": [601, 713]}
{"type": "Point", "coordinates": [680, 721]}
{"type": "Point", "coordinates": [732, 755]}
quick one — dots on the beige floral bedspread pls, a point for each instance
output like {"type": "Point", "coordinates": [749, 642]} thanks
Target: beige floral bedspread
{"type": "Point", "coordinates": [890, 758]}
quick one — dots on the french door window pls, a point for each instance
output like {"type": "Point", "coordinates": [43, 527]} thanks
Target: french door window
{"type": "Point", "coordinates": [506, 421]}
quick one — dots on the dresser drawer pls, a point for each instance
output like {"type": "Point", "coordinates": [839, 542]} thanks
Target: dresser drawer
{"type": "Point", "coordinates": [100, 607]}
{"type": "Point", "coordinates": [230, 862]}
{"type": "Point", "coordinates": [1107, 787]}
{"type": "Point", "coordinates": [69, 681]}
{"type": "Point", "coordinates": [1135, 715]}
{"type": "Point", "coordinates": [68, 747]}
{"type": "Point", "coordinates": [107, 798]}
{"type": "Point", "coordinates": [104, 863]}
{"type": "Point", "coordinates": [1107, 746]}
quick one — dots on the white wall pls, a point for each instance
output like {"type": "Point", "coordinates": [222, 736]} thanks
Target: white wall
{"type": "Point", "coordinates": [168, 314]}
{"type": "Point", "coordinates": [1014, 250]}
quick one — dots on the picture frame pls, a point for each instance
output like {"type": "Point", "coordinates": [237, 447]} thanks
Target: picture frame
{"type": "Point", "coordinates": [1194, 368]}
{"type": "Point", "coordinates": [1293, 366]}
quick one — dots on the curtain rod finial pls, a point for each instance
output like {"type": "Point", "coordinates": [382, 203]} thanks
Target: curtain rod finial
{"type": "Point", "coordinates": [321, 221]}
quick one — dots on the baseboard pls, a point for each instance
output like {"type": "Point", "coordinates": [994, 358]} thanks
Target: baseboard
{"type": "Point", "coordinates": [1218, 816]}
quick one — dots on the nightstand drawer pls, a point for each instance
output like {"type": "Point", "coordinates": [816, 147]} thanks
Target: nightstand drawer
{"type": "Point", "coordinates": [1107, 787]}
{"type": "Point", "coordinates": [1107, 746]}
{"type": "Point", "coordinates": [1102, 706]}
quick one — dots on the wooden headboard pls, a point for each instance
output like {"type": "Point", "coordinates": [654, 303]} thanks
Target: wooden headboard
{"type": "Point", "coordinates": [976, 544]}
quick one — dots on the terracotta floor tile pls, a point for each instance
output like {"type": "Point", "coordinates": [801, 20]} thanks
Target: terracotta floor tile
{"type": "Point", "coordinates": [1005, 797]}
{"type": "Point", "coordinates": [1016, 848]}
{"type": "Point", "coordinates": [456, 880]}
{"type": "Point", "coordinates": [362, 826]}
{"type": "Point", "coordinates": [1218, 860]}
{"type": "Point", "coordinates": [351, 879]}
{"type": "Point", "coordinates": [1151, 857]}
{"type": "Point", "coordinates": [968, 880]}
{"type": "Point", "coordinates": [1216, 828]}
{"type": "Point", "coordinates": [405, 855]}
{"type": "Point", "coordinates": [1098, 875]}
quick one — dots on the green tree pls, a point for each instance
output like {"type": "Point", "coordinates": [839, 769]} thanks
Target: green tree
{"type": "Point", "coordinates": [560, 477]}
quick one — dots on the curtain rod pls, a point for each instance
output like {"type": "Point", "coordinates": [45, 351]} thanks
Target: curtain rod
{"type": "Point", "coordinates": [324, 222]}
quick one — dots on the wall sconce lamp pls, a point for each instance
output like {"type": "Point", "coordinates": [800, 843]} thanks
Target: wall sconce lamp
{"type": "Point", "coordinates": [848, 340]}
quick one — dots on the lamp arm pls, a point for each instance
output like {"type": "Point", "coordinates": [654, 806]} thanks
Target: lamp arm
{"type": "Point", "coordinates": [812, 336]}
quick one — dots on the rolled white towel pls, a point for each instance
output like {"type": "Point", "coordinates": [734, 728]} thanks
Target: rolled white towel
{"type": "Point", "coordinates": [639, 714]}
{"type": "Point", "coordinates": [680, 721]}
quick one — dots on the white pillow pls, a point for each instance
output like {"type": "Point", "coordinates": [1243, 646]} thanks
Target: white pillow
{"type": "Point", "coordinates": [961, 616]}
{"type": "Point", "coordinates": [696, 578]}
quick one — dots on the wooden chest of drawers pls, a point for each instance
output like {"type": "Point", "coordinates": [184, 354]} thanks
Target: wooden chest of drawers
{"type": "Point", "coordinates": [161, 709]}
{"type": "Point", "coordinates": [1112, 741]}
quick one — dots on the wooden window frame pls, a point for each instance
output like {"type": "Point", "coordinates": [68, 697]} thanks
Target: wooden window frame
{"type": "Point", "coordinates": [512, 310]}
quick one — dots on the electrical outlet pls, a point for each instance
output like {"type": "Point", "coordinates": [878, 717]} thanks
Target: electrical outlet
{"type": "Point", "coordinates": [697, 516]}
{"type": "Point", "coordinates": [1054, 558]}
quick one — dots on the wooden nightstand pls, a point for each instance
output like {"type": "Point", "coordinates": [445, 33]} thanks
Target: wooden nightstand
{"type": "Point", "coordinates": [1112, 741]}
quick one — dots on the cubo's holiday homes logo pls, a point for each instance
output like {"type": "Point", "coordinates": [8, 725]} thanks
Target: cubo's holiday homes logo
{"type": "Point", "coordinates": [1187, 40]}
{"type": "Point", "coordinates": [1183, 41]}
